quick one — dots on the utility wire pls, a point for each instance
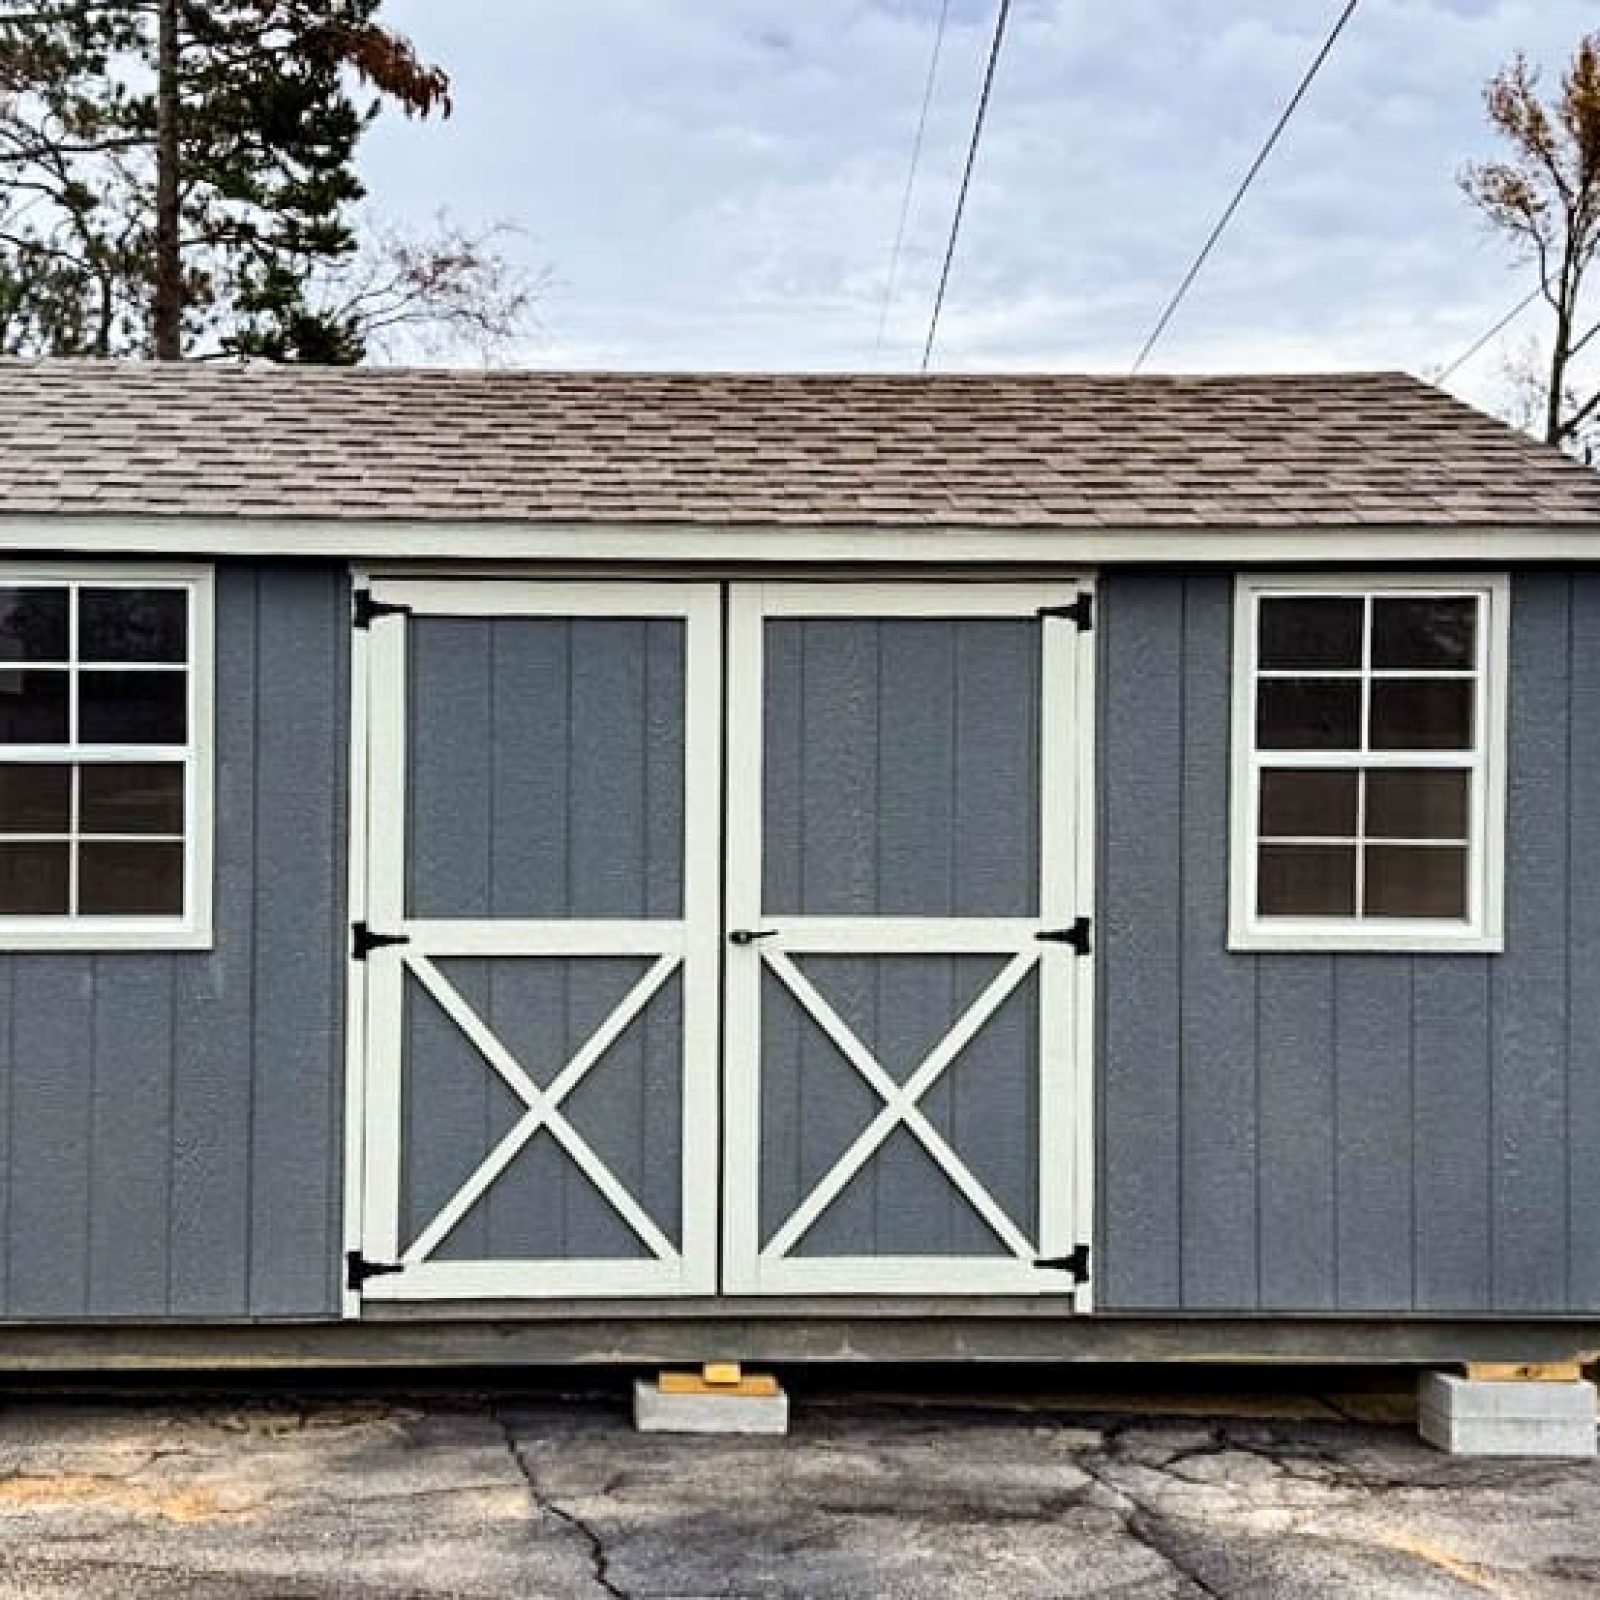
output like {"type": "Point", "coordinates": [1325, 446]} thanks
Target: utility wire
{"type": "Point", "coordinates": [1244, 186]}
{"type": "Point", "coordinates": [966, 178]}
{"type": "Point", "coordinates": [1499, 327]}
{"type": "Point", "coordinates": [911, 179]}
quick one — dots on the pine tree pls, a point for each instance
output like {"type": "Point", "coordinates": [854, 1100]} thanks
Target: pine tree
{"type": "Point", "coordinates": [178, 176]}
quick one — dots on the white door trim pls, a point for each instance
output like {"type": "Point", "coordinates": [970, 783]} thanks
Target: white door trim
{"type": "Point", "coordinates": [751, 1266]}
{"type": "Point", "coordinates": [688, 944]}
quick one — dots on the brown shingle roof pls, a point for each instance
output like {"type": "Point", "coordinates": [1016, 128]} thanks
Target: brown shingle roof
{"type": "Point", "coordinates": [684, 448]}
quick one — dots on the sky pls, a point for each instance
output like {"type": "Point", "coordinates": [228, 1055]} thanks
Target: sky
{"type": "Point", "coordinates": [716, 183]}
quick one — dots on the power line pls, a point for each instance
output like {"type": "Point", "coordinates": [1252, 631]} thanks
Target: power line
{"type": "Point", "coordinates": [911, 179]}
{"type": "Point", "coordinates": [966, 178]}
{"type": "Point", "coordinates": [1244, 186]}
{"type": "Point", "coordinates": [1499, 327]}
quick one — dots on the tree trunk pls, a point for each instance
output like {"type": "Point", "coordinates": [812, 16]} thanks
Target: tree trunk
{"type": "Point", "coordinates": [1558, 383]}
{"type": "Point", "coordinates": [168, 303]}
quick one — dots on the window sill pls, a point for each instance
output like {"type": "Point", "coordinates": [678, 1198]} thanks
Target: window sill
{"type": "Point", "coordinates": [1329, 940]}
{"type": "Point", "coordinates": [87, 938]}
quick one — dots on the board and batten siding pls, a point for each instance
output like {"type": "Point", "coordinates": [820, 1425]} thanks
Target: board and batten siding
{"type": "Point", "coordinates": [170, 1123]}
{"type": "Point", "coordinates": [1342, 1133]}
{"type": "Point", "coordinates": [1279, 1133]}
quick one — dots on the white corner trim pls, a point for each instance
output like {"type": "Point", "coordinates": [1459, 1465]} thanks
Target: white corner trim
{"type": "Point", "coordinates": [396, 539]}
{"type": "Point", "coordinates": [355, 1042]}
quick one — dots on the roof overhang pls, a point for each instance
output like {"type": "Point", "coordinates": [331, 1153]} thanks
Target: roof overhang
{"type": "Point", "coordinates": [386, 539]}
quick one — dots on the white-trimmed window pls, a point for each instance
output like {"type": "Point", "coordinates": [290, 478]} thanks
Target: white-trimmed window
{"type": "Point", "coordinates": [1368, 763]}
{"type": "Point", "coordinates": [105, 757]}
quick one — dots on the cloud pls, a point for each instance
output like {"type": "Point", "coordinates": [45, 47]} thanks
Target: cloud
{"type": "Point", "coordinates": [716, 182]}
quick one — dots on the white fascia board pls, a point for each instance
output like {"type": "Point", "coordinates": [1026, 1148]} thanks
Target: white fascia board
{"type": "Point", "coordinates": [376, 540]}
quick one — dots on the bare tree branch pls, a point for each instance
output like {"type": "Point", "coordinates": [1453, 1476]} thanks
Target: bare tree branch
{"type": "Point", "coordinates": [1545, 198]}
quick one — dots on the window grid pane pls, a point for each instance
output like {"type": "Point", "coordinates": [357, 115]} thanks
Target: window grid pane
{"type": "Point", "coordinates": [34, 623]}
{"type": "Point", "coordinates": [62, 848]}
{"type": "Point", "coordinates": [139, 869]}
{"type": "Point", "coordinates": [1429, 736]}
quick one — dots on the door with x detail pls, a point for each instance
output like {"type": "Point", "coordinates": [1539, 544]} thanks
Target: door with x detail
{"type": "Point", "coordinates": [542, 940]}
{"type": "Point", "coordinates": [905, 1067]}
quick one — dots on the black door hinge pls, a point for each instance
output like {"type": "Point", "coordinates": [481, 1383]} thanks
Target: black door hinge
{"type": "Point", "coordinates": [357, 1269]}
{"type": "Point", "coordinates": [1076, 1263]}
{"type": "Point", "coordinates": [365, 610]}
{"type": "Point", "coordinates": [363, 941]}
{"type": "Point", "coordinates": [1077, 936]}
{"type": "Point", "coordinates": [1081, 611]}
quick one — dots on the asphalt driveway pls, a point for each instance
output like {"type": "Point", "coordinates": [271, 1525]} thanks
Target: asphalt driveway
{"type": "Point", "coordinates": [497, 1493]}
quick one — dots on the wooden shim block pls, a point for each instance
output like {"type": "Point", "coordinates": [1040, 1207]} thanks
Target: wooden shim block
{"type": "Point", "coordinates": [749, 1386]}
{"type": "Point", "coordinates": [1523, 1371]}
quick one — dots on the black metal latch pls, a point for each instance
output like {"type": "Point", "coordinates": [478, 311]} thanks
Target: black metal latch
{"type": "Point", "coordinates": [357, 1269]}
{"type": "Point", "coordinates": [1076, 1263]}
{"type": "Point", "coordinates": [750, 935]}
{"type": "Point", "coordinates": [366, 610]}
{"type": "Point", "coordinates": [364, 941]}
{"type": "Point", "coordinates": [1077, 936]}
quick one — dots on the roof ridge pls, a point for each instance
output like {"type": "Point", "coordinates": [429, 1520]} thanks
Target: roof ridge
{"type": "Point", "coordinates": [1000, 376]}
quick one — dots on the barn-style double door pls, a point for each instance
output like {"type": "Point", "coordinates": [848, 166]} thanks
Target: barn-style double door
{"type": "Point", "coordinates": [722, 939]}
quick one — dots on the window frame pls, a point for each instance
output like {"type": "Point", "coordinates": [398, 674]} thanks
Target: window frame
{"type": "Point", "coordinates": [193, 930]}
{"type": "Point", "coordinates": [1482, 931]}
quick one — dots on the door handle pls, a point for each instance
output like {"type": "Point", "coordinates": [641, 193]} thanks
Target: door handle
{"type": "Point", "coordinates": [750, 935]}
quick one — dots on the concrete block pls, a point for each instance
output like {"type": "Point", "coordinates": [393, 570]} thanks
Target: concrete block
{"type": "Point", "coordinates": [1470, 1417]}
{"type": "Point", "coordinates": [655, 1411]}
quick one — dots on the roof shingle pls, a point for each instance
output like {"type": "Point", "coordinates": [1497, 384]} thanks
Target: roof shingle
{"type": "Point", "coordinates": [1024, 451]}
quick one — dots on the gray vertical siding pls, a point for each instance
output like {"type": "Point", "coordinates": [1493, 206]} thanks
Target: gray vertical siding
{"type": "Point", "coordinates": [170, 1124]}
{"type": "Point", "coordinates": [1278, 1132]}
{"type": "Point", "coordinates": [1343, 1133]}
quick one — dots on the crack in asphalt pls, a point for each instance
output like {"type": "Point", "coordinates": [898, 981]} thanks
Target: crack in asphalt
{"type": "Point", "coordinates": [1154, 1534]}
{"type": "Point", "coordinates": [1298, 1461]}
{"type": "Point", "coordinates": [1142, 1521]}
{"type": "Point", "coordinates": [599, 1556]}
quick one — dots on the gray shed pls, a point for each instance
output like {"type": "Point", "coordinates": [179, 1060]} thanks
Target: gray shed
{"type": "Point", "coordinates": [545, 866]}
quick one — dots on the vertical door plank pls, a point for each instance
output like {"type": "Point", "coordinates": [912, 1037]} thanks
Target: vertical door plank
{"type": "Point", "coordinates": [914, 1206]}
{"type": "Point", "coordinates": [839, 797]}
